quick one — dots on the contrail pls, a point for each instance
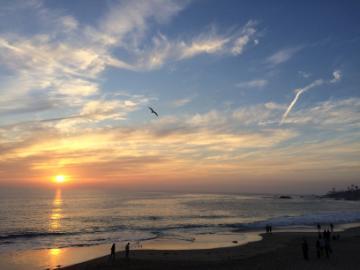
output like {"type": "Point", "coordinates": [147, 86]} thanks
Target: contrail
{"type": "Point", "coordinates": [297, 95]}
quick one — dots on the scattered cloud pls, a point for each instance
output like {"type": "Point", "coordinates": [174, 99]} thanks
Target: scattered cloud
{"type": "Point", "coordinates": [57, 113]}
{"type": "Point", "coordinates": [332, 114]}
{"type": "Point", "coordinates": [69, 23]}
{"type": "Point", "coordinates": [205, 46]}
{"type": "Point", "coordinates": [246, 135]}
{"type": "Point", "coordinates": [247, 34]}
{"type": "Point", "coordinates": [258, 115]}
{"type": "Point", "coordinates": [304, 74]}
{"type": "Point", "coordinates": [212, 117]}
{"type": "Point", "coordinates": [126, 23]}
{"type": "Point", "coordinates": [258, 83]}
{"type": "Point", "coordinates": [181, 102]}
{"type": "Point", "coordinates": [64, 60]}
{"type": "Point", "coordinates": [336, 76]}
{"type": "Point", "coordinates": [164, 50]}
{"type": "Point", "coordinates": [282, 56]}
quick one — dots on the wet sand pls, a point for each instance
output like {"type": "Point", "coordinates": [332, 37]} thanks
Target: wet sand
{"type": "Point", "coordinates": [280, 250]}
{"type": "Point", "coordinates": [52, 258]}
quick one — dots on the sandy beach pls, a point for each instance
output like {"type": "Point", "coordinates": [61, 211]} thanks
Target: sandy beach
{"type": "Point", "coordinates": [280, 250]}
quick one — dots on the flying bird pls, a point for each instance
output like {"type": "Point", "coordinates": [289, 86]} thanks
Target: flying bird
{"type": "Point", "coordinates": [152, 111]}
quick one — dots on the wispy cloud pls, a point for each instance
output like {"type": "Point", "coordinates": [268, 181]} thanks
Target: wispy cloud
{"type": "Point", "coordinates": [127, 22]}
{"type": "Point", "coordinates": [247, 34]}
{"type": "Point", "coordinates": [181, 102]}
{"type": "Point", "coordinates": [64, 60]}
{"type": "Point", "coordinates": [257, 83]}
{"type": "Point", "coordinates": [210, 42]}
{"type": "Point", "coordinates": [260, 115]}
{"type": "Point", "coordinates": [179, 140]}
{"type": "Point", "coordinates": [63, 57]}
{"type": "Point", "coordinates": [304, 74]}
{"type": "Point", "coordinates": [331, 114]}
{"type": "Point", "coordinates": [282, 56]}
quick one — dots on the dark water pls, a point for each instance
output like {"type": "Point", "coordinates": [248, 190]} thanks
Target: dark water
{"type": "Point", "coordinates": [33, 219]}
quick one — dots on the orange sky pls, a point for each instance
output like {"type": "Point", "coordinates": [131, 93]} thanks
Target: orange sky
{"type": "Point", "coordinates": [198, 159]}
{"type": "Point", "coordinates": [247, 100]}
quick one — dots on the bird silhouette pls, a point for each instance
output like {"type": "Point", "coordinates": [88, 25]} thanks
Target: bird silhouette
{"type": "Point", "coordinates": [153, 111]}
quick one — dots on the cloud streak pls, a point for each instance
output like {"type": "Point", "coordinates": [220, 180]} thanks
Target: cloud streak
{"type": "Point", "coordinates": [298, 92]}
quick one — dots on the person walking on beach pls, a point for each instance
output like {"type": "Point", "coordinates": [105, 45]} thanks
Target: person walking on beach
{"type": "Point", "coordinates": [112, 253]}
{"type": "Point", "coordinates": [322, 246]}
{"type": "Point", "coordinates": [328, 235]}
{"type": "Point", "coordinates": [318, 227]}
{"type": "Point", "coordinates": [332, 227]}
{"type": "Point", "coordinates": [318, 249]}
{"type": "Point", "coordinates": [127, 250]}
{"type": "Point", "coordinates": [327, 248]}
{"type": "Point", "coordinates": [305, 249]}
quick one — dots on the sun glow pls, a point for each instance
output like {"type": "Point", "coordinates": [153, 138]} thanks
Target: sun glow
{"type": "Point", "coordinates": [59, 179]}
{"type": "Point", "coordinates": [55, 251]}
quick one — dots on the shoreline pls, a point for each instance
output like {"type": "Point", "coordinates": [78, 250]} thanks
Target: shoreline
{"type": "Point", "coordinates": [279, 250]}
{"type": "Point", "coordinates": [225, 247]}
{"type": "Point", "coordinates": [51, 258]}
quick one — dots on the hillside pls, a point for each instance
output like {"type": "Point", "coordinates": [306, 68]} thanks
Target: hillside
{"type": "Point", "coordinates": [352, 193]}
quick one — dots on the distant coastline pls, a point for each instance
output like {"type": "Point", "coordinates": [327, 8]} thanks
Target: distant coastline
{"type": "Point", "coordinates": [352, 193]}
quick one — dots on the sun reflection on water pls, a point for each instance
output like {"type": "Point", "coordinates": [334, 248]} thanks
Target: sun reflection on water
{"type": "Point", "coordinates": [54, 257]}
{"type": "Point", "coordinates": [55, 251]}
{"type": "Point", "coordinates": [56, 215]}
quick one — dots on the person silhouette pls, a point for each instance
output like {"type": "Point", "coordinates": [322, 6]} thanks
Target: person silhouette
{"type": "Point", "coordinates": [127, 250]}
{"type": "Point", "coordinates": [112, 252]}
{"type": "Point", "coordinates": [322, 246]}
{"type": "Point", "coordinates": [305, 249]}
{"type": "Point", "coordinates": [318, 227]}
{"type": "Point", "coordinates": [318, 248]}
{"type": "Point", "coordinates": [327, 248]}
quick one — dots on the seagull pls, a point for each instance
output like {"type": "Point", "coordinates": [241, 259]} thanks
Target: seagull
{"type": "Point", "coordinates": [152, 111]}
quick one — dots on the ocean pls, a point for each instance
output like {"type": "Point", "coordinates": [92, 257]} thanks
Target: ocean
{"type": "Point", "coordinates": [55, 219]}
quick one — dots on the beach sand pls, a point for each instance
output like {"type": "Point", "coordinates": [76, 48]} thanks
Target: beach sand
{"type": "Point", "coordinates": [280, 250]}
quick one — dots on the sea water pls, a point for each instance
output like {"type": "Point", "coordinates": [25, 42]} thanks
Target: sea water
{"type": "Point", "coordinates": [53, 219]}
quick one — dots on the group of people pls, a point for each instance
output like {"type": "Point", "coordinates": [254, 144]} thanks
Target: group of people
{"type": "Point", "coordinates": [268, 228]}
{"type": "Point", "coordinates": [113, 250]}
{"type": "Point", "coordinates": [331, 228]}
{"type": "Point", "coordinates": [323, 242]}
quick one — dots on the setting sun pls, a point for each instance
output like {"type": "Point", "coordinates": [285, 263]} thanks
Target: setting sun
{"type": "Point", "coordinates": [59, 179]}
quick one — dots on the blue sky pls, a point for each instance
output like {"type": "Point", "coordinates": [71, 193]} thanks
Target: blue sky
{"type": "Point", "coordinates": [251, 94]}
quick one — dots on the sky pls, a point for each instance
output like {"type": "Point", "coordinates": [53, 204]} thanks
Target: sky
{"type": "Point", "coordinates": [252, 96]}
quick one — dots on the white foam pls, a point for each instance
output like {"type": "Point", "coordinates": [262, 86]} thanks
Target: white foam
{"type": "Point", "coordinates": [309, 219]}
